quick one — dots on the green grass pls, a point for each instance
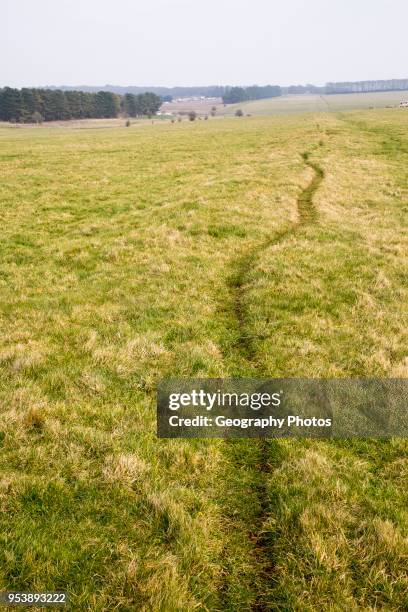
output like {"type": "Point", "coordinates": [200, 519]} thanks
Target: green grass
{"type": "Point", "coordinates": [129, 255]}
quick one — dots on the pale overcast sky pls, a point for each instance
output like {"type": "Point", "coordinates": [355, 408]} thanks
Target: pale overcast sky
{"type": "Point", "coordinates": [183, 42]}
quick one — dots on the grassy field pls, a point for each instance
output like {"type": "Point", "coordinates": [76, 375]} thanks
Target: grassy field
{"type": "Point", "coordinates": [309, 103]}
{"type": "Point", "coordinates": [260, 246]}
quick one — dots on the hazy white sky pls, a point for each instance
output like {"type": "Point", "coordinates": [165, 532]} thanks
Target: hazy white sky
{"type": "Point", "coordinates": [183, 42]}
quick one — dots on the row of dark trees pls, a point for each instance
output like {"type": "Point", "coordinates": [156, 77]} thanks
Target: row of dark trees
{"type": "Point", "coordinates": [233, 95]}
{"type": "Point", "coordinates": [142, 104]}
{"type": "Point", "coordinates": [37, 105]}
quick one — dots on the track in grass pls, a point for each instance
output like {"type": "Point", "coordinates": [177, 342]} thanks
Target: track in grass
{"type": "Point", "coordinates": [239, 280]}
{"type": "Point", "coordinates": [247, 353]}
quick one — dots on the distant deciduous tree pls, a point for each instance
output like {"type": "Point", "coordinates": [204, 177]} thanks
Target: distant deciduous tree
{"type": "Point", "coordinates": [148, 103]}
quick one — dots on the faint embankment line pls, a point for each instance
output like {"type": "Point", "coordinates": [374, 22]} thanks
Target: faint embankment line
{"type": "Point", "coordinates": [326, 104]}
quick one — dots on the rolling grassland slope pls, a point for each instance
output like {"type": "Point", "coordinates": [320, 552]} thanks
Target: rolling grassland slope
{"type": "Point", "coordinates": [262, 246]}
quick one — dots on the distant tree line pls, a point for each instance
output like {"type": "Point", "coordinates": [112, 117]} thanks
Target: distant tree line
{"type": "Point", "coordinates": [348, 87]}
{"type": "Point", "coordinates": [303, 89]}
{"type": "Point", "coordinates": [35, 105]}
{"type": "Point", "coordinates": [366, 86]}
{"type": "Point", "coordinates": [208, 91]}
{"type": "Point", "coordinates": [219, 91]}
{"type": "Point", "coordinates": [254, 92]}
